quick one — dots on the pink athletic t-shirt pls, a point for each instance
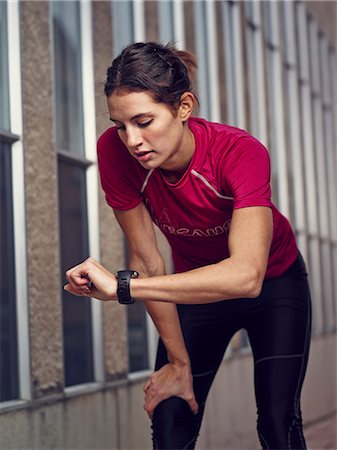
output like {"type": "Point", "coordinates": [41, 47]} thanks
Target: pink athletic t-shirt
{"type": "Point", "coordinates": [229, 169]}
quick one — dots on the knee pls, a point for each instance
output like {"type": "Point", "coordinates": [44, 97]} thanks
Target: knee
{"type": "Point", "coordinates": [174, 426]}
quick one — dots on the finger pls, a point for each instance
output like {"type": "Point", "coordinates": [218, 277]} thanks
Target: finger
{"type": "Point", "coordinates": [80, 292]}
{"type": "Point", "coordinates": [147, 385]}
{"type": "Point", "coordinates": [194, 406]}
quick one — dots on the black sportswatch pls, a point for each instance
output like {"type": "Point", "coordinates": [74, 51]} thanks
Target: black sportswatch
{"type": "Point", "coordinates": [123, 286]}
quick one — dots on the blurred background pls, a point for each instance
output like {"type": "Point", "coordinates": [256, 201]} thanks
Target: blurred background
{"type": "Point", "coordinates": [72, 371]}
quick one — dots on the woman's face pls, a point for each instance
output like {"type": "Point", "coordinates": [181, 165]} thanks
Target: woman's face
{"type": "Point", "coordinates": [152, 132]}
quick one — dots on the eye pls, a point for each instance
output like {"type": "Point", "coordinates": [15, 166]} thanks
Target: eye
{"type": "Point", "coordinates": [119, 126]}
{"type": "Point", "coordinates": [144, 124]}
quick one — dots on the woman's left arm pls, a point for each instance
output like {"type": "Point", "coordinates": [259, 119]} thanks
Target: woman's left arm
{"type": "Point", "coordinates": [240, 275]}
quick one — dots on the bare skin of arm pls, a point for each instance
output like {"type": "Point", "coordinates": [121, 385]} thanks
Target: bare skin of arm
{"type": "Point", "coordinates": [174, 378]}
{"type": "Point", "coordinates": [240, 275]}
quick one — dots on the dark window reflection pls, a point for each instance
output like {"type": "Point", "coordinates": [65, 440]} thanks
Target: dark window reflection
{"type": "Point", "coordinates": [138, 354]}
{"type": "Point", "coordinates": [8, 327]}
{"type": "Point", "coordinates": [77, 329]}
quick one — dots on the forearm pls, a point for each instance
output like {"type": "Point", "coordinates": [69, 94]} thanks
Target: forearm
{"type": "Point", "coordinates": [164, 315]}
{"type": "Point", "coordinates": [216, 282]}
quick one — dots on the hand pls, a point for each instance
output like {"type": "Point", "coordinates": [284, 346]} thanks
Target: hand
{"type": "Point", "coordinates": [91, 279]}
{"type": "Point", "coordinates": [171, 380]}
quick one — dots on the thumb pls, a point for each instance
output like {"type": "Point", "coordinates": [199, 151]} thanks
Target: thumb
{"type": "Point", "coordinates": [194, 406]}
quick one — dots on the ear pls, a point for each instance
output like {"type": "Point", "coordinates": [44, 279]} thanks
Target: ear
{"type": "Point", "coordinates": [186, 105]}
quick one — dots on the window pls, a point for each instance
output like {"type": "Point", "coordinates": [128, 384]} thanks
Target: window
{"type": "Point", "coordinates": [171, 22]}
{"type": "Point", "coordinates": [292, 126]}
{"type": "Point", "coordinates": [14, 347]}
{"type": "Point", "coordinates": [314, 259]}
{"type": "Point", "coordinates": [73, 110]}
{"type": "Point", "coordinates": [208, 77]}
{"type": "Point", "coordinates": [256, 72]}
{"type": "Point", "coordinates": [138, 323]}
{"type": "Point", "coordinates": [234, 64]}
{"type": "Point", "coordinates": [8, 323]}
{"type": "Point", "coordinates": [276, 107]}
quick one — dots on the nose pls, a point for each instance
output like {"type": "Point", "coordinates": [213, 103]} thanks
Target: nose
{"type": "Point", "coordinates": [133, 137]}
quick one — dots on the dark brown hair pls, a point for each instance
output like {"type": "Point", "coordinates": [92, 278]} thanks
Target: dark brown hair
{"type": "Point", "coordinates": [161, 69]}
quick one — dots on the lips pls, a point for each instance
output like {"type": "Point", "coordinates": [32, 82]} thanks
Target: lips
{"type": "Point", "coordinates": [143, 155]}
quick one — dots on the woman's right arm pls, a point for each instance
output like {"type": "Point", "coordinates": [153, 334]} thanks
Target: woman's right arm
{"type": "Point", "coordinates": [175, 378]}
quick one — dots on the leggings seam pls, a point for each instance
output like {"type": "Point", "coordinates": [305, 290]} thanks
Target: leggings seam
{"type": "Point", "coordinates": [264, 440]}
{"type": "Point", "coordinates": [203, 374]}
{"type": "Point", "coordinates": [279, 357]}
{"type": "Point", "coordinates": [189, 442]}
{"type": "Point", "coordinates": [305, 351]}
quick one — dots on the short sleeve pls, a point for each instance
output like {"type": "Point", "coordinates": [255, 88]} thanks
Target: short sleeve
{"type": "Point", "coordinates": [246, 173]}
{"type": "Point", "coordinates": [115, 166]}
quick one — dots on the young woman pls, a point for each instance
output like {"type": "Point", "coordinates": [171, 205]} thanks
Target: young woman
{"type": "Point", "coordinates": [237, 265]}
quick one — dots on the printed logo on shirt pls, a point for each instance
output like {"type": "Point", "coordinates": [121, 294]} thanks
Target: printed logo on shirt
{"type": "Point", "coordinates": [167, 225]}
{"type": "Point", "coordinates": [194, 232]}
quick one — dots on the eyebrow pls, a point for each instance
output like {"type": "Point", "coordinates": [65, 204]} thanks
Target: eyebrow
{"type": "Point", "coordinates": [137, 116]}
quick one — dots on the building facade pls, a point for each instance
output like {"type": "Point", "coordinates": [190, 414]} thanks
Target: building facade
{"type": "Point", "coordinates": [72, 371]}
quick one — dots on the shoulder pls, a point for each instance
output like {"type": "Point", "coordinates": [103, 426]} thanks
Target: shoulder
{"type": "Point", "coordinates": [109, 140]}
{"type": "Point", "coordinates": [224, 143]}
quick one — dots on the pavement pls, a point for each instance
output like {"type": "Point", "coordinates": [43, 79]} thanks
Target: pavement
{"type": "Point", "coordinates": [322, 435]}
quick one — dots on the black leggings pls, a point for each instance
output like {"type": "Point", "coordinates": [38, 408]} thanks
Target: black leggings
{"type": "Point", "coordinates": [278, 325]}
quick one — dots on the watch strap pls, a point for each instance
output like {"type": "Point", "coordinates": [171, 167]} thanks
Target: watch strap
{"type": "Point", "coordinates": [123, 286]}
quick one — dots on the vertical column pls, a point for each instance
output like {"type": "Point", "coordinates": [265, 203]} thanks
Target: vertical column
{"type": "Point", "coordinates": [41, 201]}
{"type": "Point", "coordinates": [309, 168]}
{"type": "Point", "coordinates": [234, 64]}
{"type": "Point", "coordinates": [292, 116]}
{"type": "Point", "coordinates": [276, 107]}
{"type": "Point", "coordinates": [256, 72]}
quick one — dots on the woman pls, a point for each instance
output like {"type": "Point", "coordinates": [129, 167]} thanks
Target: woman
{"type": "Point", "coordinates": [237, 265]}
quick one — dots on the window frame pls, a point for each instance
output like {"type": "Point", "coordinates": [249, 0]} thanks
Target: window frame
{"type": "Point", "coordinates": [14, 137]}
{"type": "Point", "coordinates": [89, 163]}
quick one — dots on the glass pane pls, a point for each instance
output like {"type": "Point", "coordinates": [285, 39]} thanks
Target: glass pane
{"type": "Point", "coordinates": [4, 97]}
{"type": "Point", "coordinates": [122, 16]}
{"type": "Point", "coordinates": [77, 331]}
{"type": "Point", "coordinates": [137, 338]}
{"type": "Point", "coordinates": [166, 26]}
{"type": "Point", "coordinates": [8, 328]}
{"type": "Point", "coordinates": [68, 76]}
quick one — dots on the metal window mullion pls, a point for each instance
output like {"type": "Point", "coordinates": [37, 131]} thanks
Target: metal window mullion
{"type": "Point", "coordinates": [333, 85]}
{"type": "Point", "coordinates": [320, 155]}
{"type": "Point", "coordinates": [237, 62]}
{"type": "Point", "coordinates": [309, 167]}
{"type": "Point", "coordinates": [201, 46]}
{"type": "Point", "coordinates": [228, 28]}
{"type": "Point", "coordinates": [91, 176]}
{"type": "Point", "coordinates": [213, 69]}
{"type": "Point", "coordinates": [307, 125]}
{"type": "Point", "coordinates": [139, 20]}
{"type": "Point", "coordinates": [319, 143]}
{"type": "Point", "coordinates": [165, 17]}
{"type": "Point", "coordinates": [18, 189]}
{"type": "Point", "coordinates": [233, 50]}
{"type": "Point", "coordinates": [331, 177]}
{"type": "Point", "coordinates": [178, 23]}
{"type": "Point", "coordinates": [293, 115]}
{"type": "Point", "coordinates": [276, 108]}
{"type": "Point", "coordinates": [257, 77]}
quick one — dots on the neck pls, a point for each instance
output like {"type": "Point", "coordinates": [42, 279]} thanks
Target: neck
{"type": "Point", "coordinates": [176, 168]}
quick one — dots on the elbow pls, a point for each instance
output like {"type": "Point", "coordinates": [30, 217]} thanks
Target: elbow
{"type": "Point", "coordinates": [253, 284]}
